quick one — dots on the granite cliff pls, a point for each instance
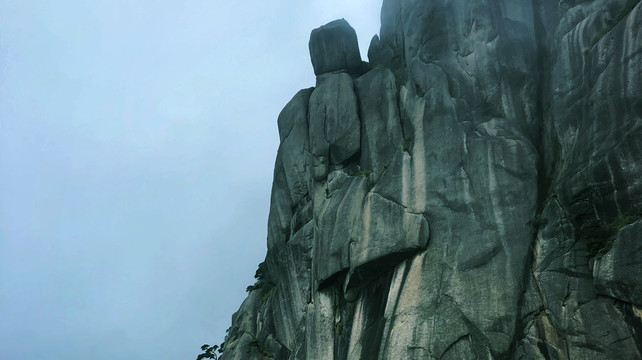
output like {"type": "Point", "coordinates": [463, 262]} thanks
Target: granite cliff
{"type": "Point", "coordinates": [474, 191]}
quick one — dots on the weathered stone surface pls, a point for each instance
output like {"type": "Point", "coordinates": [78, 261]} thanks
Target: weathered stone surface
{"type": "Point", "coordinates": [389, 234]}
{"type": "Point", "coordinates": [380, 123]}
{"type": "Point", "coordinates": [617, 274]}
{"type": "Point", "coordinates": [280, 215]}
{"type": "Point", "coordinates": [320, 325]}
{"type": "Point", "coordinates": [269, 320]}
{"type": "Point", "coordinates": [334, 47]}
{"type": "Point", "coordinates": [243, 330]}
{"type": "Point", "coordinates": [334, 127]}
{"type": "Point", "coordinates": [295, 145]}
{"type": "Point", "coordinates": [288, 302]}
{"type": "Point", "coordinates": [337, 216]}
{"type": "Point", "coordinates": [477, 195]}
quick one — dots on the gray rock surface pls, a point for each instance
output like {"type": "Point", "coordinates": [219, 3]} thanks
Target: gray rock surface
{"type": "Point", "coordinates": [295, 145]}
{"type": "Point", "coordinates": [335, 129]}
{"type": "Point", "coordinates": [617, 274]}
{"type": "Point", "coordinates": [475, 195]}
{"type": "Point", "coordinates": [381, 134]}
{"type": "Point", "coordinates": [338, 212]}
{"type": "Point", "coordinates": [334, 47]}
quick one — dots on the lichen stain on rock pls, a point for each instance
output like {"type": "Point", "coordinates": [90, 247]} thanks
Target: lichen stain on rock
{"type": "Point", "coordinates": [446, 200]}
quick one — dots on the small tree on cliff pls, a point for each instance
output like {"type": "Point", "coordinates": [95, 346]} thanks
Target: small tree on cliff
{"type": "Point", "coordinates": [209, 352]}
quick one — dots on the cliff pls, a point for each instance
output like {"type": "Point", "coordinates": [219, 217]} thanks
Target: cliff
{"type": "Point", "coordinates": [474, 191]}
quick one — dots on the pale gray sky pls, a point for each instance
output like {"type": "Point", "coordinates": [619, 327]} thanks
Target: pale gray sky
{"type": "Point", "coordinates": [137, 143]}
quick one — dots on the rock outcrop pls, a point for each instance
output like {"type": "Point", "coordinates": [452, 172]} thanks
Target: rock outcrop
{"type": "Point", "coordinates": [473, 192]}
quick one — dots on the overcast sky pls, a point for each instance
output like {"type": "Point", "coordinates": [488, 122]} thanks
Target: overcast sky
{"type": "Point", "coordinates": [137, 143]}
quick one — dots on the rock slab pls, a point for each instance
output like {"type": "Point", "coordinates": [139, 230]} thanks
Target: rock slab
{"type": "Point", "coordinates": [472, 193]}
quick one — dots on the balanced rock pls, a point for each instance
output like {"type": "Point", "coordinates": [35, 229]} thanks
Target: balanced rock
{"type": "Point", "coordinates": [334, 47]}
{"type": "Point", "coordinates": [475, 195]}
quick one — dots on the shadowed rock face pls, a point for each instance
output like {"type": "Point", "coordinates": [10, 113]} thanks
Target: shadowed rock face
{"type": "Point", "coordinates": [474, 192]}
{"type": "Point", "coordinates": [334, 47]}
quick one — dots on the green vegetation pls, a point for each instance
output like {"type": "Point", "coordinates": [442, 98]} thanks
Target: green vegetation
{"type": "Point", "coordinates": [355, 170]}
{"type": "Point", "coordinates": [210, 352]}
{"type": "Point", "coordinates": [539, 221]}
{"type": "Point", "coordinates": [407, 143]}
{"type": "Point", "coordinates": [267, 292]}
{"type": "Point", "coordinates": [600, 235]}
{"type": "Point", "coordinates": [214, 351]}
{"type": "Point", "coordinates": [260, 347]}
{"type": "Point", "coordinates": [263, 282]}
{"type": "Point", "coordinates": [338, 328]}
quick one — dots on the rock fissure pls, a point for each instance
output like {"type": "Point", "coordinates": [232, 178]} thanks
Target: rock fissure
{"type": "Point", "coordinates": [441, 201]}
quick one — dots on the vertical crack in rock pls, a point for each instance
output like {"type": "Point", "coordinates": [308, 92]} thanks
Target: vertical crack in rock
{"type": "Point", "coordinates": [472, 192]}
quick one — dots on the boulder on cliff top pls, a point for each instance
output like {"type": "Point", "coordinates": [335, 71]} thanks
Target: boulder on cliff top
{"type": "Point", "coordinates": [334, 47]}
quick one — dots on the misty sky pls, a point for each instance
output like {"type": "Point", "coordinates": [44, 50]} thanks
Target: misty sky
{"type": "Point", "coordinates": [137, 143]}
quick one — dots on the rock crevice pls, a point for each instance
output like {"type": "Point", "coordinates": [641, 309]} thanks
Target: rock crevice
{"type": "Point", "coordinates": [472, 192]}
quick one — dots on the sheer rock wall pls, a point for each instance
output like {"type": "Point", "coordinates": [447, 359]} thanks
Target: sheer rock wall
{"type": "Point", "coordinates": [473, 192]}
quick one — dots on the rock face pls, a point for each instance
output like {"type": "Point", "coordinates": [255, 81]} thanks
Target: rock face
{"type": "Point", "coordinates": [474, 192]}
{"type": "Point", "coordinates": [333, 47]}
